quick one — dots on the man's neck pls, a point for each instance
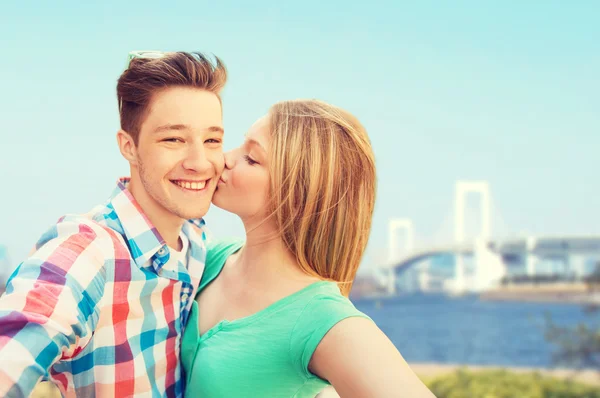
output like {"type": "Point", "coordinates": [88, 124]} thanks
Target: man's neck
{"type": "Point", "coordinates": [166, 223]}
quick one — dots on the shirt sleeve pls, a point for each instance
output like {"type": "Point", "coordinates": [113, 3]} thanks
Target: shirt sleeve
{"type": "Point", "coordinates": [318, 317]}
{"type": "Point", "coordinates": [49, 309]}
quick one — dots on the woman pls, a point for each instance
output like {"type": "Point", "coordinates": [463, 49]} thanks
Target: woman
{"type": "Point", "coordinates": [274, 317]}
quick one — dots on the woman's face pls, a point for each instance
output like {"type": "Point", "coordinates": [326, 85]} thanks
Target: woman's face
{"type": "Point", "coordinates": [244, 185]}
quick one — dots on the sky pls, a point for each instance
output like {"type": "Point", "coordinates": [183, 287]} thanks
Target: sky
{"type": "Point", "coordinates": [506, 92]}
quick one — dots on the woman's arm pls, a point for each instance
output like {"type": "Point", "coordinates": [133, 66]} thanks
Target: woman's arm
{"type": "Point", "coordinates": [358, 359]}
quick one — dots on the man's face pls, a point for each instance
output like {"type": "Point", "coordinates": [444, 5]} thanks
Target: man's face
{"type": "Point", "coordinates": [179, 154]}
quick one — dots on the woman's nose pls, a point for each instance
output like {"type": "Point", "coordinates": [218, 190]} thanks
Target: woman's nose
{"type": "Point", "coordinates": [229, 159]}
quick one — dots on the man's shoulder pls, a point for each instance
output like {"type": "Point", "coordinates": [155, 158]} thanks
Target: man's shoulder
{"type": "Point", "coordinates": [76, 244]}
{"type": "Point", "coordinates": [90, 227]}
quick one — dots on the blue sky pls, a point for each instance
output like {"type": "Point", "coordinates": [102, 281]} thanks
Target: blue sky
{"type": "Point", "coordinates": [502, 91]}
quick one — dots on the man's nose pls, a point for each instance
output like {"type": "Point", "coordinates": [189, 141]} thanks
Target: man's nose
{"type": "Point", "coordinates": [195, 159]}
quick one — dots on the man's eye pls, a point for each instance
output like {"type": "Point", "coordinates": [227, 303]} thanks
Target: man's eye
{"type": "Point", "coordinates": [172, 139]}
{"type": "Point", "coordinates": [213, 141]}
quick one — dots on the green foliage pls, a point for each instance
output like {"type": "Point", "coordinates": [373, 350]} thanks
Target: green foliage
{"type": "Point", "coordinates": [578, 346]}
{"type": "Point", "coordinates": [505, 384]}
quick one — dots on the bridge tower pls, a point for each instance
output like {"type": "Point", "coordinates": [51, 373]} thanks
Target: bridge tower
{"type": "Point", "coordinates": [395, 225]}
{"type": "Point", "coordinates": [463, 188]}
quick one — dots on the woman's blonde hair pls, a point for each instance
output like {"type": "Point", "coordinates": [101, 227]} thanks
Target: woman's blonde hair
{"type": "Point", "coordinates": [323, 187]}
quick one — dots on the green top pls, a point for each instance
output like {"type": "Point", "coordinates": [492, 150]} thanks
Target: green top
{"type": "Point", "coordinates": [265, 354]}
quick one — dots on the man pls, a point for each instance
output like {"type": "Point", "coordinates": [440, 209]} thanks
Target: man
{"type": "Point", "coordinates": [100, 305]}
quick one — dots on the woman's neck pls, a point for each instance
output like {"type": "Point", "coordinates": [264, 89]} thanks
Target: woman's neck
{"type": "Point", "coordinates": [265, 259]}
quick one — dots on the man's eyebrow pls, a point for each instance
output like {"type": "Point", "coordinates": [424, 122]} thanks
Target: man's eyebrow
{"type": "Point", "coordinates": [168, 127]}
{"type": "Point", "coordinates": [181, 127]}
{"type": "Point", "coordinates": [216, 129]}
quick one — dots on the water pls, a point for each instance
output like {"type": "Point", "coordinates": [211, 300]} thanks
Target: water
{"type": "Point", "coordinates": [466, 330]}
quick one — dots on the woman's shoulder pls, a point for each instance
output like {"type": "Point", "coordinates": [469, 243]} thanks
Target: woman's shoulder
{"type": "Point", "coordinates": [325, 309]}
{"type": "Point", "coordinates": [218, 247]}
{"type": "Point", "coordinates": [217, 253]}
{"type": "Point", "coordinates": [327, 304]}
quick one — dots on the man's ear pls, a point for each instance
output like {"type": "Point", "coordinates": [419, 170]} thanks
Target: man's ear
{"type": "Point", "coordinates": [127, 146]}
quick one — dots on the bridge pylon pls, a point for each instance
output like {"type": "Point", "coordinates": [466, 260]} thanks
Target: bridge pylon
{"type": "Point", "coordinates": [463, 188]}
{"type": "Point", "coordinates": [395, 225]}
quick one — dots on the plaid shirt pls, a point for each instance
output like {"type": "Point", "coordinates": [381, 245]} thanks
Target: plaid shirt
{"type": "Point", "coordinates": [98, 308]}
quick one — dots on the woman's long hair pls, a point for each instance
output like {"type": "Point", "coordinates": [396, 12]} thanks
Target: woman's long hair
{"type": "Point", "coordinates": [323, 187]}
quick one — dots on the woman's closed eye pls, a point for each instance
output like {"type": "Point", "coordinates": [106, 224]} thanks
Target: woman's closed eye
{"type": "Point", "coordinates": [250, 161]}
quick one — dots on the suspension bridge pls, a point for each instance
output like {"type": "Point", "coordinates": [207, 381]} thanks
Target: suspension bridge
{"type": "Point", "coordinates": [480, 259]}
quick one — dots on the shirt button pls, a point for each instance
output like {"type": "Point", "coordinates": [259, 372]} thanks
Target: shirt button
{"type": "Point", "coordinates": [185, 297]}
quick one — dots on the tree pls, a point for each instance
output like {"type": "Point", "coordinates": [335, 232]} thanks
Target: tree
{"type": "Point", "coordinates": [579, 346]}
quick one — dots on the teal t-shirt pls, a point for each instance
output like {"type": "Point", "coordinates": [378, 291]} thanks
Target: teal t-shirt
{"type": "Point", "coordinates": [265, 354]}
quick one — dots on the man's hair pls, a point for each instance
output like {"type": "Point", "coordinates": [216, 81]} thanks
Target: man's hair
{"type": "Point", "coordinates": [323, 186]}
{"type": "Point", "coordinates": [146, 76]}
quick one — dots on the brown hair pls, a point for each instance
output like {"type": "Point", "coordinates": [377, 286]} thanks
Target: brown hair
{"type": "Point", "coordinates": [146, 76]}
{"type": "Point", "coordinates": [323, 184]}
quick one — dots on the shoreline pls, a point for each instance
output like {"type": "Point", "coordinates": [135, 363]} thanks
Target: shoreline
{"type": "Point", "coordinates": [427, 371]}
{"type": "Point", "coordinates": [559, 293]}
{"type": "Point", "coordinates": [431, 370]}
{"type": "Point", "coordinates": [544, 293]}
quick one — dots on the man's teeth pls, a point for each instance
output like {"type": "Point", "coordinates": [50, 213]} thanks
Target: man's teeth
{"type": "Point", "coordinates": [191, 185]}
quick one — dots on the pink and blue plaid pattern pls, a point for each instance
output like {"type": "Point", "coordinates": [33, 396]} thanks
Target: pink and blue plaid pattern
{"type": "Point", "coordinates": [98, 308]}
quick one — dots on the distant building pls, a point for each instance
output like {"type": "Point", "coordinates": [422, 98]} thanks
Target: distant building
{"type": "Point", "coordinates": [365, 286]}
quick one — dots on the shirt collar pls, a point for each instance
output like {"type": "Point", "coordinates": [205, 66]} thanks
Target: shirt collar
{"type": "Point", "coordinates": [142, 237]}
